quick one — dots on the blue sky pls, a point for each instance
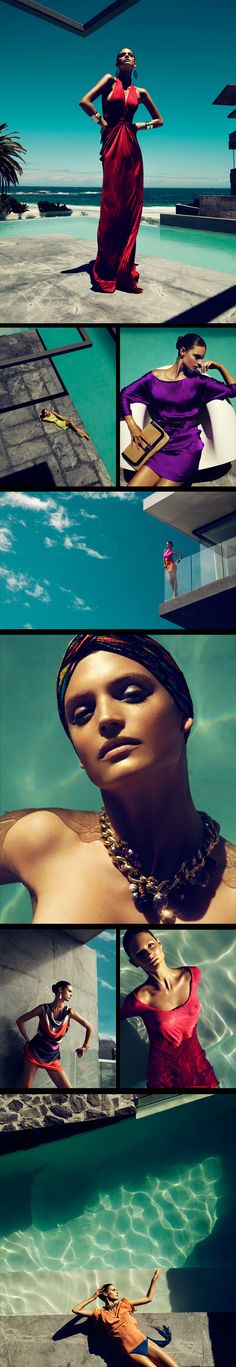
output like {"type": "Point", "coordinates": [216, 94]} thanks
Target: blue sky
{"type": "Point", "coordinates": [105, 945]}
{"type": "Point", "coordinates": [81, 560]}
{"type": "Point", "coordinates": [184, 57]}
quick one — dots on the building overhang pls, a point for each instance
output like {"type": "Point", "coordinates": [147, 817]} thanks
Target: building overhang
{"type": "Point", "coordinates": [211, 607]}
{"type": "Point", "coordinates": [191, 511]}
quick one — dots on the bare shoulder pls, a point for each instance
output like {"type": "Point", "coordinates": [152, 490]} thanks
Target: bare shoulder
{"type": "Point", "coordinates": [32, 832]}
{"type": "Point", "coordinates": [229, 871]}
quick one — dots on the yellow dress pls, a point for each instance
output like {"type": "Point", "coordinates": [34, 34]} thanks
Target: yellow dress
{"type": "Point", "coordinates": [60, 422]}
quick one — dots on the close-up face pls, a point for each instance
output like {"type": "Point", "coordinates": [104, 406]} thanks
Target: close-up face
{"type": "Point", "coordinates": [146, 951]}
{"type": "Point", "coordinates": [121, 720]}
{"type": "Point", "coordinates": [193, 358]}
{"type": "Point", "coordinates": [126, 59]}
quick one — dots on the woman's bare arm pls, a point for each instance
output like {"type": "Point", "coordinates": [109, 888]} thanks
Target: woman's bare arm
{"type": "Point", "coordinates": [77, 1309]}
{"type": "Point", "coordinates": [99, 89]}
{"type": "Point", "coordinates": [149, 1297]}
{"type": "Point", "coordinates": [88, 1030]}
{"type": "Point", "coordinates": [27, 1016]}
{"type": "Point", "coordinates": [156, 117]}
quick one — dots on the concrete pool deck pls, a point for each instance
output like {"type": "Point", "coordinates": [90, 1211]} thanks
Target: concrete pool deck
{"type": "Point", "coordinates": [48, 281]}
{"type": "Point", "coordinates": [26, 1338]}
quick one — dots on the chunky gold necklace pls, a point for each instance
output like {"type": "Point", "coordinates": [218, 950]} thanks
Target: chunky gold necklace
{"type": "Point", "coordinates": [148, 894]}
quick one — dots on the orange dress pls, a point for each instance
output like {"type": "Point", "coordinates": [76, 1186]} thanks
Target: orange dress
{"type": "Point", "coordinates": [120, 1325]}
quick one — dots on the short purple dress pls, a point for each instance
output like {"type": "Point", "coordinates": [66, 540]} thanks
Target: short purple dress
{"type": "Point", "coordinates": [176, 405]}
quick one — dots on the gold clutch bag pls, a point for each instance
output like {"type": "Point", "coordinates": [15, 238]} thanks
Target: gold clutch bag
{"type": "Point", "coordinates": [155, 437]}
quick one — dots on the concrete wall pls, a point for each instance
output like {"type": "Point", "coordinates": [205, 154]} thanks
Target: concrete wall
{"type": "Point", "coordinates": [31, 959]}
{"type": "Point", "coordinates": [195, 1340]}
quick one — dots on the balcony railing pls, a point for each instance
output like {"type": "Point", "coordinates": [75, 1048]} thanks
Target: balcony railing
{"type": "Point", "coordinates": [204, 567]}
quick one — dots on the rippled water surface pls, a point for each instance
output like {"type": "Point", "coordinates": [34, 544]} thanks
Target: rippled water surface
{"type": "Point", "coordinates": [214, 952]}
{"type": "Point", "coordinates": [142, 1193]}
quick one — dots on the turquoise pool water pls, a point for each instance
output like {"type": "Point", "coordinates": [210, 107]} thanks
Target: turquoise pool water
{"type": "Point", "coordinates": [210, 672]}
{"type": "Point", "coordinates": [212, 251]}
{"type": "Point", "coordinates": [214, 951]}
{"type": "Point", "coordinates": [158, 1191]}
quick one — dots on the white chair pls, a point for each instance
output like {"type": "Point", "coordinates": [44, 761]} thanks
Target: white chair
{"type": "Point", "coordinates": [217, 428]}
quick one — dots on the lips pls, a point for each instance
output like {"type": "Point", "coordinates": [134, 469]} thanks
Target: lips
{"type": "Point", "coordinates": [114, 746]}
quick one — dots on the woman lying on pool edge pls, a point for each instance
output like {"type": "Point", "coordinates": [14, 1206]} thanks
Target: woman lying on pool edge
{"type": "Point", "coordinates": [117, 1320]}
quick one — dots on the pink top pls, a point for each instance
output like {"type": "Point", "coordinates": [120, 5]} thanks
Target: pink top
{"type": "Point", "coordinates": [168, 556]}
{"type": "Point", "coordinates": [174, 1025]}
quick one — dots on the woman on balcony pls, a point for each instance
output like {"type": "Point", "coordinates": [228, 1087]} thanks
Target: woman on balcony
{"type": "Point", "coordinates": [122, 193]}
{"type": "Point", "coordinates": [168, 1004]}
{"type": "Point", "coordinates": [43, 1051]}
{"type": "Point", "coordinates": [148, 856]}
{"type": "Point", "coordinates": [174, 396]}
{"type": "Point", "coordinates": [171, 559]}
{"type": "Point", "coordinates": [116, 1318]}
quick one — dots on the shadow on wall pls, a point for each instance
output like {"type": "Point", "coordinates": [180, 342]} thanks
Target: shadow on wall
{"type": "Point", "coordinates": [193, 1289]}
{"type": "Point", "coordinates": [222, 1337]}
{"type": "Point", "coordinates": [97, 1342]}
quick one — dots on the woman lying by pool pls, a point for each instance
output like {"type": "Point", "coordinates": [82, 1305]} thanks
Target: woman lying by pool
{"type": "Point", "coordinates": [174, 396]}
{"type": "Point", "coordinates": [51, 415]}
{"type": "Point", "coordinates": [43, 1050]}
{"type": "Point", "coordinates": [168, 1004]}
{"type": "Point", "coordinates": [149, 855]}
{"type": "Point", "coordinates": [117, 1320]}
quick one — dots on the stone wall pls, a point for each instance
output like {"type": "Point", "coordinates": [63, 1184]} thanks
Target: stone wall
{"type": "Point", "coordinates": [30, 961]}
{"type": "Point", "coordinates": [24, 1111]}
{"type": "Point", "coordinates": [24, 439]}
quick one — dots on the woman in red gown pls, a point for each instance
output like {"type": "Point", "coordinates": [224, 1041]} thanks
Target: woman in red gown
{"type": "Point", "coordinates": [168, 1004]}
{"type": "Point", "coordinates": [122, 193]}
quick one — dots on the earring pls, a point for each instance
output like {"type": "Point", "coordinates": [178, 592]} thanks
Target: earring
{"type": "Point", "coordinates": [135, 73]}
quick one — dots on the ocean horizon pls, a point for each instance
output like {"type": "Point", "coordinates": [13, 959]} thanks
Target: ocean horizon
{"type": "Point", "coordinates": [154, 196]}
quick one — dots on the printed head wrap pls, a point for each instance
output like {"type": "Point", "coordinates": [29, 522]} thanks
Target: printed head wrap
{"type": "Point", "coordinates": [135, 645]}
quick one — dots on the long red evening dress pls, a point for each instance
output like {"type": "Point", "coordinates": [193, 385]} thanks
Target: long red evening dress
{"type": "Point", "coordinates": [122, 194]}
{"type": "Point", "coordinates": [176, 1057]}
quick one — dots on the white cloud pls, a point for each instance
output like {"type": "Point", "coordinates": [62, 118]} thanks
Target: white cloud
{"type": "Point", "coordinates": [48, 542]}
{"type": "Point", "coordinates": [5, 539]}
{"type": "Point", "coordinates": [18, 583]}
{"type": "Point", "coordinates": [59, 519]}
{"type": "Point", "coordinates": [68, 543]}
{"type": "Point", "coordinates": [30, 501]}
{"type": "Point", "coordinates": [89, 515]}
{"type": "Point", "coordinates": [81, 546]}
{"type": "Point", "coordinates": [107, 985]}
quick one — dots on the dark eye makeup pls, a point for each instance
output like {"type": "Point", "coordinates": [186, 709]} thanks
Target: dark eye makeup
{"type": "Point", "coordinates": [129, 689]}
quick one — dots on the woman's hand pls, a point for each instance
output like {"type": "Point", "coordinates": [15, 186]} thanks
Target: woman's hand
{"type": "Point", "coordinates": [138, 437]}
{"type": "Point", "coordinates": [204, 366]}
{"type": "Point", "coordinates": [156, 1274]}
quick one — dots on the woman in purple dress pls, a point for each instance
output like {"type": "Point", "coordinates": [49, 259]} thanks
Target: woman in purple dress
{"type": "Point", "coordinates": [174, 396]}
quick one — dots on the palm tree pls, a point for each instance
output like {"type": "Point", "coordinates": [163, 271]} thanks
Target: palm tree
{"type": "Point", "coordinates": [11, 153]}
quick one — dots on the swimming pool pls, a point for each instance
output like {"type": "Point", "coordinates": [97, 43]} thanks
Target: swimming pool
{"type": "Point", "coordinates": [212, 251]}
{"type": "Point", "coordinates": [158, 1191]}
{"type": "Point", "coordinates": [211, 677]}
{"type": "Point", "coordinates": [214, 952]}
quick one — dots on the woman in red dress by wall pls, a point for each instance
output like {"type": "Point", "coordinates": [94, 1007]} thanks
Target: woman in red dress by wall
{"type": "Point", "coordinates": [122, 193]}
{"type": "Point", "coordinates": [168, 1004]}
